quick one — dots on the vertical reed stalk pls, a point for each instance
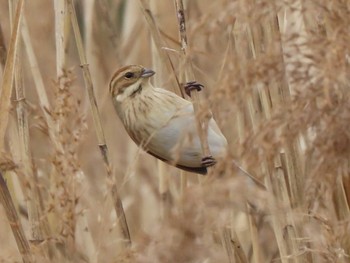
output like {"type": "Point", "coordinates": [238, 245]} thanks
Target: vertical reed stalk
{"type": "Point", "coordinates": [25, 154]}
{"type": "Point", "coordinates": [39, 85]}
{"type": "Point", "coordinates": [8, 76]}
{"type": "Point", "coordinates": [61, 36]}
{"type": "Point", "coordinates": [15, 223]}
{"type": "Point", "coordinates": [240, 256]}
{"type": "Point", "coordinates": [159, 43]}
{"type": "Point", "coordinates": [3, 50]}
{"type": "Point", "coordinates": [5, 102]}
{"type": "Point", "coordinates": [227, 241]}
{"type": "Point", "coordinates": [159, 81]}
{"type": "Point", "coordinates": [118, 205]}
{"type": "Point", "coordinates": [202, 114]}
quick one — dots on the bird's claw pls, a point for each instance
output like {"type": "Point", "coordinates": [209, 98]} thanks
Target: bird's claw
{"type": "Point", "coordinates": [192, 85]}
{"type": "Point", "coordinates": [208, 161]}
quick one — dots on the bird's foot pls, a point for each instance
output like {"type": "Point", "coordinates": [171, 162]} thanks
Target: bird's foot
{"type": "Point", "coordinates": [208, 161]}
{"type": "Point", "coordinates": [192, 85]}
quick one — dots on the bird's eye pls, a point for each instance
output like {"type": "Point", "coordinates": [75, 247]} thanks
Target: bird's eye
{"type": "Point", "coordinates": [128, 75]}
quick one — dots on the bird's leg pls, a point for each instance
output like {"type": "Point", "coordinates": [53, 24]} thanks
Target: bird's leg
{"type": "Point", "coordinates": [208, 161]}
{"type": "Point", "coordinates": [192, 85]}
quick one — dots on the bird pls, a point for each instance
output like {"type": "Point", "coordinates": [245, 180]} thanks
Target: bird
{"type": "Point", "coordinates": [162, 123]}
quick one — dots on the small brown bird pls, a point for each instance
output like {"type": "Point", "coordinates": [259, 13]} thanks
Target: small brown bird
{"type": "Point", "coordinates": [162, 123]}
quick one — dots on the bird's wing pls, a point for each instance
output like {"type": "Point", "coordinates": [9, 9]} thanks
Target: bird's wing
{"type": "Point", "coordinates": [159, 143]}
{"type": "Point", "coordinates": [176, 139]}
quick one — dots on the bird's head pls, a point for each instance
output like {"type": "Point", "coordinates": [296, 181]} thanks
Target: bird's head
{"type": "Point", "coordinates": [128, 81]}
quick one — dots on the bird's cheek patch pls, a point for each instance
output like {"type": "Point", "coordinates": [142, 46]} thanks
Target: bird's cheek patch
{"type": "Point", "coordinates": [120, 97]}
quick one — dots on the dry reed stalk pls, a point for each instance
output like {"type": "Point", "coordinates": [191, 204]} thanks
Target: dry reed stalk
{"type": "Point", "coordinates": [33, 204]}
{"type": "Point", "coordinates": [60, 7]}
{"type": "Point", "coordinates": [247, 120]}
{"type": "Point", "coordinates": [187, 75]}
{"type": "Point", "coordinates": [286, 220]}
{"type": "Point", "coordinates": [163, 59]}
{"type": "Point", "coordinates": [280, 93]}
{"type": "Point", "coordinates": [163, 188]}
{"type": "Point", "coordinates": [55, 127]}
{"type": "Point", "coordinates": [45, 107]}
{"type": "Point", "coordinates": [240, 256]}
{"type": "Point", "coordinates": [118, 205]}
{"type": "Point", "coordinates": [8, 176]}
{"type": "Point", "coordinates": [15, 223]}
{"type": "Point", "coordinates": [289, 244]}
{"type": "Point", "coordinates": [5, 102]}
{"type": "Point", "coordinates": [183, 175]}
{"type": "Point", "coordinates": [289, 163]}
{"type": "Point", "coordinates": [257, 256]}
{"type": "Point", "coordinates": [202, 114]}
{"type": "Point", "coordinates": [19, 184]}
{"type": "Point", "coordinates": [241, 131]}
{"type": "Point", "coordinates": [159, 43]}
{"type": "Point", "coordinates": [85, 237]}
{"type": "Point", "coordinates": [89, 9]}
{"type": "Point", "coordinates": [24, 192]}
{"type": "Point", "coordinates": [39, 85]}
{"type": "Point", "coordinates": [92, 41]}
{"type": "Point", "coordinates": [291, 159]}
{"type": "Point", "coordinates": [341, 202]}
{"type": "Point", "coordinates": [328, 29]}
{"type": "Point", "coordinates": [159, 80]}
{"type": "Point", "coordinates": [227, 241]}
{"type": "Point", "coordinates": [8, 76]}
{"type": "Point", "coordinates": [279, 189]}
{"type": "Point", "coordinates": [292, 150]}
{"type": "Point", "coordinates": [24, 150]}
{"type": "Point", "coordinates": [3, 51]}
{"type": "Point", "coordinates": [277, 226]}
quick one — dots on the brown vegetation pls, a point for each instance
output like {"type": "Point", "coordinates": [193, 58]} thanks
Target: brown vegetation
{"type": "Point", "coordinates": [276, 77]}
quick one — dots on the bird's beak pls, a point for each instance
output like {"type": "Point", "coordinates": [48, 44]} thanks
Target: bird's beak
{"type": "Point", "coordinates": [146, 73]}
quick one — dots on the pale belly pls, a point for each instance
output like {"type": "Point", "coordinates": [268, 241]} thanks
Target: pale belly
{"type": "Point", "coordinates": [178, 142]}
{"type": "Point", "coordinates": [170, 133]}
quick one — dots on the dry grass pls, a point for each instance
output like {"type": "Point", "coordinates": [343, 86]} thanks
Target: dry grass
{"type": "Point", "coordinates": [276, 78]}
